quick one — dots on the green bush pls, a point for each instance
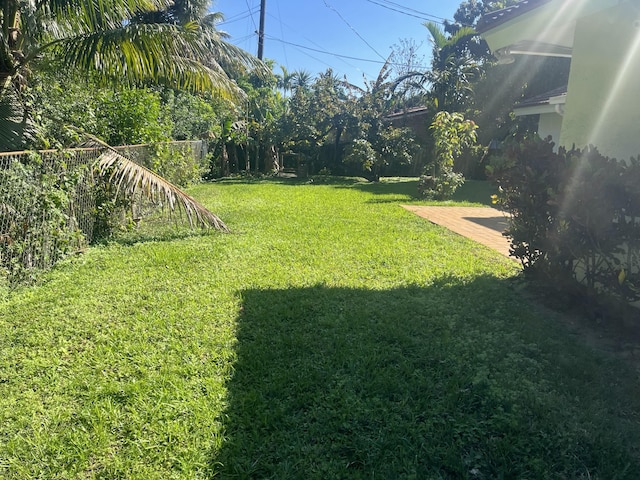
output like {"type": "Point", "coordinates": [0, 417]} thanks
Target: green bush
{"type": "Point", "coordinates": [36, 228]}
{"type": "Point", "coordinates": [440, 187]}
{"type": "Point", "coordinates": [177, 163]}
{"type": "Point", "coordinates": [132, 116]}
{"type": "Point", "coordinates": [453, 136]}
{"type": "Point", "coordinates": [575, 216]}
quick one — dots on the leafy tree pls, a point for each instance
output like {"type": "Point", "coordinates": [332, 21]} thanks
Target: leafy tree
{"type": "Point", "coordinates": [133, 116]}
{"type": "Point", "coordinates": [452, 134]}
{"type": "Point", "coordinates": [111, 42]}
{"type": "Point", "coordinates": [285, 81]}
{"type": "Point", "coordinates": [317, 117]}
{"type": "Point", "coordinates": [301, 80]}
{"type": "Point", "coordinates": [104, 38]}
{"type": "Point", "coordinates": [470, 11]}
{"type": "Point", "coordinates": [195, 116]}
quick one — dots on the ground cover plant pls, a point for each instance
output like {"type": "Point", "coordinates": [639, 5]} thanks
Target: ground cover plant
{"type": "Point", "coordinates": [332, 334]}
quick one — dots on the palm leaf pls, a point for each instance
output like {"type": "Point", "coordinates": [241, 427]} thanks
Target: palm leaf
{"type": "Point", "coordinates": [135, 179]}
{"type": "Point", "coordinates": [462, 34]}
{"type": "Point", "coordinates": [115, 47]}
{"type": "Point", "coordinates": [437, 35]}
{"type": "Point", "coordinates": [135, 53]}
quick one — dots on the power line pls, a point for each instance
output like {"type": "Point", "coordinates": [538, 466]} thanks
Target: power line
{"type": "Point", "coordinates": [420, 16]}
{"type": "Point", "coordinates": [293, 29]}
{"type": "Point", "coordinates": [252, 20]}
{"type": "Point", "coordinates": [354, 30]}
{"type": "Point", "coordinates": [237, 18]}
{"type": "Point", "coordinates": [413, 10]}
{"type": "Point", "coordinates": [284, 50]}
{"type": "Point", "coordinates": [369, 60]}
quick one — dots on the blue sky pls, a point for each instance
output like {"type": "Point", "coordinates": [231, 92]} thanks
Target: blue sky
{"type": "Point", "coordinates": [352, 37]}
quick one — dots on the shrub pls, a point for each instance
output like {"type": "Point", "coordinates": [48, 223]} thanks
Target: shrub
{"type": "Point", "coordinates": [177, 163]}
{"type": "Point", "coordinates": [132, 116]}
{"type": "Point", "coordinates": [452, 136]}
{"type": "Point", "coordinates": [575, 216]}
{"type": "Point", "coordinates": [36, 228]}
{"type": "Point", "coordinates": [440, 187]}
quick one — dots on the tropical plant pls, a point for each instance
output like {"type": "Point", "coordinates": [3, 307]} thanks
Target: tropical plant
{"type": "Point", "coordinates": [183, 50]}
{"type": "Point", "coordinates": [574, 216]}
{"type": "Point", "coordinates": [452, 135]}
{"type": "Point", "coordinates": [134, 179]}
{"type": "Point", "coordinates": [285, 81]}
{"type": "Point", "coordinates": [301, 80]}
{"type": "Point", "coordinates": [132, 116]}
{"type": "Point", "coordinates": [452, 70]}
{"type": "Point", "coordinates": [131, 42]}
{"type": "Point", "coordinates": [109, 40]}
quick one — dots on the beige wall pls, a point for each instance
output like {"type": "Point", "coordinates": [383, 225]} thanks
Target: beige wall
{"type": "Point", "coordinates": [603, 101]}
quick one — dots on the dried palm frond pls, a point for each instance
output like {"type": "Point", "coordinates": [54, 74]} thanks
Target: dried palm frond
{"type": "Point", "coordinates": [135, 179]}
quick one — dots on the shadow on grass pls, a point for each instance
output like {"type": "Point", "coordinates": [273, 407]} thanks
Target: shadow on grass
{"type": "Point", "coordinates": [472, 191]}
{"type": "Point", "coordinates": [156, 232]}
{"type": "Point", "coordinates": [445, 381]}
{"type": "Point", "coordinates": [475, 191]}
{"type": "Point", "coordinates": [293, 181]}
{"type": "Point", "coordinates": [405, 187]}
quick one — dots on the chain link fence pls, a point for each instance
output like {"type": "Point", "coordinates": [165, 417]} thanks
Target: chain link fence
{"type": "Point", "coordinates": [48, 204]}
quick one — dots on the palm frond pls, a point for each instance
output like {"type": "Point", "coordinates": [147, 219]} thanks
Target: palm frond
{"type": "Point", "coordinates": [136, 53]}
{"type": "Point", "coordinates": [135, 179]}
{"type": "Point", "coordinates": [97, 14]}
{"type": "Point", "coordinates": [229, 56]}
{"type": "Point", "coordinates": [437, 35]}
{"type": "Point", "coordinates": [461, 34]}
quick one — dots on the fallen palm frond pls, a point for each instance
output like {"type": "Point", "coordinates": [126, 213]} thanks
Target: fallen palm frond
{"type": "Point", "coordinates": [134, 179]}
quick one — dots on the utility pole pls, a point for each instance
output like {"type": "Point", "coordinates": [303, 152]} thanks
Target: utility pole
{"type": "Point", "coordinates": [261, 31]}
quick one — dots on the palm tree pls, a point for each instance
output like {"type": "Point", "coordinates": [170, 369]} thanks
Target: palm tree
{"type": "Point", "coordinates": [301, 80]}
{"type": "Point", "coordinates": [129, 41]}
{"type": "Point", "coordinates": [285, 81]}
{"type": "Point", "coordinates": [452, 70]}
{"type": "Point", "coordinates": [122, 41]}
{"type": "Point", "coordinates": [449, 81]}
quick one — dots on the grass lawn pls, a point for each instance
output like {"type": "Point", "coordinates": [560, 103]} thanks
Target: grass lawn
{"type": "Point", "coordinates": [332, 335]}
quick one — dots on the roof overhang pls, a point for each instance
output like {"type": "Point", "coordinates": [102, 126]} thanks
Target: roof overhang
{"type": "Point", "coordinates": [553, 104]}
{"type": "Point", "coordinates": [409, 113]}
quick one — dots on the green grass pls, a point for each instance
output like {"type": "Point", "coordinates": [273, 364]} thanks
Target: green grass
{"type": "Point", "coordinates": [332, 335]}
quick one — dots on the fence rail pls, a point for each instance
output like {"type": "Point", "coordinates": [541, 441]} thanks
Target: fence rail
{"type": "Point", "coordinates": [48, 203]}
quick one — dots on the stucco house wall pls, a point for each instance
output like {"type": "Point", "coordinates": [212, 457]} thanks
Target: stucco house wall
{"type": "Point", "coordinates": [602, 37]}
{"type": "Point", "coordinates": [602, 106]}
{"type": "Point", "coordinates": [550, 125]}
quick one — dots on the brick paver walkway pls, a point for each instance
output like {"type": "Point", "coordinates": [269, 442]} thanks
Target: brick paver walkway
{"type": "Point", "coordinates": [482, 224]}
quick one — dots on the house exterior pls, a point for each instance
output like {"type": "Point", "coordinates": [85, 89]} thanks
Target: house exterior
{"type": "Point", "coordinates": [602, 37]}
{"type": "Point", "coordinates": [417, 119]}
{"type": "Point", "coordinates": [549, 107]}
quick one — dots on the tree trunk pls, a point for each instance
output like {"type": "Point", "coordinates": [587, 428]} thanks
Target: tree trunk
{"type": "Point", "coordinates": [233, 158]}
{"type": "Point", "coordinates": [224, 161]}
{"type": "Point", "coordinates": [257, 164]}
{"type": "Point", "coordinates": [271, 163]}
